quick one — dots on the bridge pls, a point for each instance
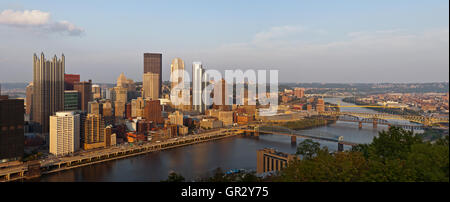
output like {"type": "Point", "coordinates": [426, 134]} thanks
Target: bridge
{"type": "Point", "coordinates": [256, 129]}
{"type": "Point", "coordinates": [426, 121]}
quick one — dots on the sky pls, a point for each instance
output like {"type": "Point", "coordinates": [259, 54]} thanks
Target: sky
{"type": "Point", "coordinates": [307, 41]}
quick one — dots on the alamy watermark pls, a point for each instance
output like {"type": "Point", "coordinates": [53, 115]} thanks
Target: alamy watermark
{"type": "Point", "coordinates": [210, 87]}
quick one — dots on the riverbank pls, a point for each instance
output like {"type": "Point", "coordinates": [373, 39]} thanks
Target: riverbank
{"type": "Point", "coordinates": [395, 111]}
{"type": "Point", "coordinates": [67, 163]}
{"type": "Point", "coordinates": [308, 123]}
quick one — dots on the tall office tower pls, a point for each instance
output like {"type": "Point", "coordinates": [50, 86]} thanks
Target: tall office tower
{"type": "Point", "coordinates": [198, 85]}
{"type": "Point", "coordinates": [96, 92]}
{"type": "Point", "coordinates": [128, 111]}
{"type": "Point", "coordinates": [94, 132]}
{"type": "Point", "coordinates": [29, 98]}
{"type": "Point", "coordinates": [69, 80]}
{"type": "Point", "coordinates": [137, 107]}
{"type": "Point", "coordinates": [71, 100]}
{"type": "Point", "coordinates": [119, 94]}
{"type": "Point", "coordinates": [153, 111]}
{"type": "Point", "coordinates": [48, 89]}
{"type": "Point", "coordinates": [95, 108]}
{"type": "Point", "coordinates": [11, 129]}
{"type": "Point", "coordinates": [299, 92]}
{"type": "Point", "coordinates": [221, 95]}
{"type": "Point", "coordinates": [85, 89]}
{"type": "Point", "coordinates": [108, 112]}
{"type": "Point", "coordinates": [150, 84]}
{"type": "Point", "coordinates": [64, 133]}
{"type": "Point", "coordinates": [177, 64]}
{"type": "Point", "coordinates": [153, 64]}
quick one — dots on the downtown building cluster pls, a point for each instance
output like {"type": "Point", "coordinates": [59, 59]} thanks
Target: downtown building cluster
{"type": "Point", "coordinates": [70, 115]}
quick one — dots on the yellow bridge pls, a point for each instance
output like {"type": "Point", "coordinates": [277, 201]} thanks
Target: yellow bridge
{"type": "Point", "coordinates": [427, 121]}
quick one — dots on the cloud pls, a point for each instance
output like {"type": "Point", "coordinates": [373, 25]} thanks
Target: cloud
{"type": "Point", "coordinates": [38, 20]}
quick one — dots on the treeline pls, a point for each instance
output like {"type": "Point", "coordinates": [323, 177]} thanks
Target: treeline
{"type": "Point", "coordinates": [306, 123]}
{"type": "Point", "coordinates": [395, 155]}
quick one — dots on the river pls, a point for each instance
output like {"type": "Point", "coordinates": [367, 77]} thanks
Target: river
{"type": "Point", "coordinates": [199, 160]}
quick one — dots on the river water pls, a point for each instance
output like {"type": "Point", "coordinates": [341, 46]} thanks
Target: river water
{"type": "Point", "coordinates": [199, 160]}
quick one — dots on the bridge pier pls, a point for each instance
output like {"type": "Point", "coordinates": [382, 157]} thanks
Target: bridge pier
{"type": "Point", "coordinates": [294, 139]}
{"type": "Point", "coordinates": [375, 123]}
{"type": "Point", "coordinates": [360, 125]}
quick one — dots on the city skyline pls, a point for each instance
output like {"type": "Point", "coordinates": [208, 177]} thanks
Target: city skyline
{"type": "Point", "coordinates": [408, 39]}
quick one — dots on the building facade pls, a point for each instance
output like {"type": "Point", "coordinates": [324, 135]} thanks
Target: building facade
{"type": "Point", "coordinates": [11, 129]}
{"type": "Point", "coordinates": [48, 89]}
{"type": "Point", "coordinates": [269, 160]}
{"type": "Point", "coordinates": [150, 84]}
{"type": "Point", "coordinates": [153, 64]}
{"type": "Point", "coordinates": [64, 133]}
{"type": "Point", "coordinates": [85, 96]}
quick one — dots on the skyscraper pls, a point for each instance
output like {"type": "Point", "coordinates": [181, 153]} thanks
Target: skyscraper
{"type": "Point", "coordinates": [11, 129]}
{"type": "Point", "coordinates": [94, 132]}
{"type": "Point", "coordinates": [177, 64]}
{"type": "Point", "coordinates": [48, 89]}
{"type": "Point", "coordinates": [198, 85]}
{"type": "Point", "coordinates": [153, 64]}
{"type": "Point", "coordinates": [64, 133]}
{"type": "Point", "coordinates": [85, 96]}
{"type": "Point", "coordinates": [150, 83]}
{"type": "Point", "coordinates": [29, 98]}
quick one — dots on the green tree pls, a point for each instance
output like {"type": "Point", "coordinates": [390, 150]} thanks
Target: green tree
{"type": "Point", "coordinates": [308, 148]}
{"type": "Point", "coordinates": [174, 177]}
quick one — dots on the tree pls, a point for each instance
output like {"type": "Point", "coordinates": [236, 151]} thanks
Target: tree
{"type": "Point", "coordinates": [308, 148]}
{"type": "Point", "coordinates": [174, 177]}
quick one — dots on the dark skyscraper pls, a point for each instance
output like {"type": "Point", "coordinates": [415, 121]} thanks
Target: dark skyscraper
{"type": "Point", "coordinates": [153, 64]}
{"type": "Point", "coordinates": [85, 93]}
{"type": "Point", "coordinates": [11, 129]}
{"type": "Point", "coordinates": [48, 89]}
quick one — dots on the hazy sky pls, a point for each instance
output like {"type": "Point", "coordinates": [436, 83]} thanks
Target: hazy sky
{"type": "Point", "coordinates": [308, 41]}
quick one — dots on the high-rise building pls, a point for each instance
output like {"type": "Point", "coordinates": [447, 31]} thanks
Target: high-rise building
{"type": "Point", "coordinates": [177, 65]}
{"type": "Point", "coordinates": [221, 96]}
{"type": "Point", "coordinates": [137, 107]}
{"type": "Point", "coordinates": [11, 129]}
{"type": "Point", "coordinates": [85, 90]}
{"type": "Point", "coordinates": [96, 92]}
{"type": "Point", "coordinates": [29, 98]}
{"type": "Point", "coordinates": [48, 89]}
{"type": "Point", "coordinates": [69, 80]}
{"type": "Point", "coordinates": [119, 94]}
{"type": "Point", "coordinates": [95, 108]}
{"type": "Point", "coordinates": [94, 132]}
{"type": "Point", "coordinates": [198, 82]}
{"type": "Point", "coordinates": [71, 100]}
{"type": "Point", "coordinates": [153, 64]}
{"type": "Point", "coordinates": [64, 133]}
{"type": "Point", "coordinates": [119, 109]}
{"type": "Point", "coordinates": [150, 84]}
{"type": "Point", "coordinates": [153, 111]}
